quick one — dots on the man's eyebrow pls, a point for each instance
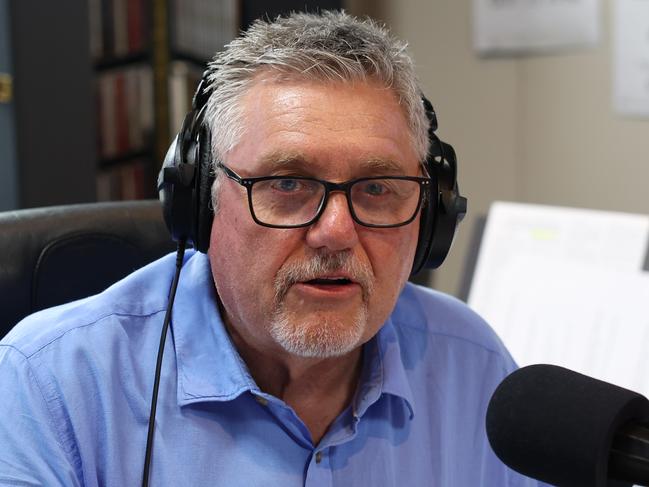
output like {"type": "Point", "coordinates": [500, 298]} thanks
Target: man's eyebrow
{"type": "Point", "coordinates": [280, 160]}
{"type": "Point", "coordinates": [275, 161]}
{"type": "Point", "coordinates": [382, 166]}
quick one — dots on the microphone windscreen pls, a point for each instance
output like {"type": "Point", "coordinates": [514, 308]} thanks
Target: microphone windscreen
{"type": "Point", "coordinates": [556, 425]}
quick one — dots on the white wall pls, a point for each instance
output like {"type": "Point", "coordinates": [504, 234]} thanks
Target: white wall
{"type": "Point", "coordinates": [575, 150]}
{"type": "Point", "coordinates": [536, 129]}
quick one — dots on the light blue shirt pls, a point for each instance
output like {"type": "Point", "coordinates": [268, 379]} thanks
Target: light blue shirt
{"type": "Point", "coordinates": [76, 385]}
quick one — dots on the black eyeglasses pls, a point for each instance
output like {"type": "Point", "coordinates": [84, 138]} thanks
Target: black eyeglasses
{"type": "Point", "coordinates": [296, 201]}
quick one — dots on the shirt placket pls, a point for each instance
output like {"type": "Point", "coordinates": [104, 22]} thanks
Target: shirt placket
{"type": "Point", "coordinates": [319, 472]}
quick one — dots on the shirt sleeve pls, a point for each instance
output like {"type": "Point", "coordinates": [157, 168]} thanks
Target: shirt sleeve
{"type": "Point", "coordinates": [32, 450]}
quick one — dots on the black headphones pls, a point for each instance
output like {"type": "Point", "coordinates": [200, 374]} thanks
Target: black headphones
{"type": "Point", "coordinates": [186, 178]}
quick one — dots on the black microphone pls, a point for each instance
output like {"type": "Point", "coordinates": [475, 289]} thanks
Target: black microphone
{"type": "Point", "coordinates": [570, 430]}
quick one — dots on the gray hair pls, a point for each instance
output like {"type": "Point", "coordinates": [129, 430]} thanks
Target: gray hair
{"type": "Point", "coordinates": [331, 46]}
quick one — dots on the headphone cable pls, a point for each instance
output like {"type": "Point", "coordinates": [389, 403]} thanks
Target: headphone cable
{"type": "Point", "coordinates": [180, 254]}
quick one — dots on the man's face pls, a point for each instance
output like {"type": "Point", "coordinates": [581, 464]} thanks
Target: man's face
{"type": "Point", "coordinates": [322, 290]}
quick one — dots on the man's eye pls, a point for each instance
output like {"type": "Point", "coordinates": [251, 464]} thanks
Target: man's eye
{"type": "Point", "coordinates": [375, 189]}
{"type": "Point", "coordinates": [287, 185]}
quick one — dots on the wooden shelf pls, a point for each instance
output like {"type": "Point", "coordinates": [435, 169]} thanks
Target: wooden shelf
{"type": "Point", "coordinates": [118, 62]}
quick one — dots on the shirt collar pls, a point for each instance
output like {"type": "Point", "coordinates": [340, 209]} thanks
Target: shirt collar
{"type": "Point", "coordinates": [211, 369]}
{"type": "Point", "coordinates": [383, 372]}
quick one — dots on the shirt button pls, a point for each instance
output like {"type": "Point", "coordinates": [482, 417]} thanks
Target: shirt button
{"type": "Point", "coordinates": [261, 400]}
{"type": "Point", "coordinates": [318, 456]}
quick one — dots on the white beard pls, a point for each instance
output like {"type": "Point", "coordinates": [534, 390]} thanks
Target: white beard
{"type": "Point", "coordinates": [317, 337]}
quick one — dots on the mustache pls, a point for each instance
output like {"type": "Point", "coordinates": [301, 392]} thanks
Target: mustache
{"type": "Point", "coordinates": [323, 263]}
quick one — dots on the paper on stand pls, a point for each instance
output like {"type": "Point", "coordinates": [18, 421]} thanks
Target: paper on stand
{"type": "Point", "coordinates": [566, 287]}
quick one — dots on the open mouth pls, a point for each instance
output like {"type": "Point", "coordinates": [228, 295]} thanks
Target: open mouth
{"type": "Point", "coordinates": [328, 282]}
{"type": "Point", "coordinates": [338, 287]}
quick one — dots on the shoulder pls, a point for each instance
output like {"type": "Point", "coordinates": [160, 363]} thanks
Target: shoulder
{"type": "Point", "coordinates": [444, 321]}
{"type": "Point", "coordinates": [126, 303]}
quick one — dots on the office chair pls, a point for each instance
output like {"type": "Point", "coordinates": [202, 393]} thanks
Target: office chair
{"type": "Point", "coordinates": [54, 255]}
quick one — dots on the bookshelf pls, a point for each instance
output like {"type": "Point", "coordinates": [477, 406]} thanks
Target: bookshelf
{"type": "Point", "coordinates": [122, 52]}
{"type": "Point", "coordinates": [99, 87]}
{"type": "Point", "coordinates": [148, 58]}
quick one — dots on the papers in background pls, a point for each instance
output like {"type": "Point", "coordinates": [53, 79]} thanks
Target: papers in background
{"type": "Point", "coordinates": [566, 287]}
{"type": "Point", "coordinates": [534, 25]}
{"type": "Point", "coordinates": [631, 57]}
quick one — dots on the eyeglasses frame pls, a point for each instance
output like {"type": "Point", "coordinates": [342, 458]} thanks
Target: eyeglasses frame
{"type": "Point", "coordinates": [425, 183]}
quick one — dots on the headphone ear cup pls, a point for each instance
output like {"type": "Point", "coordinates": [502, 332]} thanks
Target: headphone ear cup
{"type": "Point", "coordinates": [204, 213]}
{"type": "Point", "coordinates": [444, 209]}
{"type": "Point", "coordinates": [426, 229]}
{"type": "Point", "coordinates": [176, 193]}
{"type": "Point", "coordinates": [451, 208]}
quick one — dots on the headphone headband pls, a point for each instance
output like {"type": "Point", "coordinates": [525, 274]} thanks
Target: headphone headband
{"type": "Point", "coordinates": [202, 93]}
{"type": "Point", "coordinates": [186, 178]}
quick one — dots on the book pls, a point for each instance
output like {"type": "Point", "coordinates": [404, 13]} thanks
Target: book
{"type": "Point", "coordinates": [120, 25]}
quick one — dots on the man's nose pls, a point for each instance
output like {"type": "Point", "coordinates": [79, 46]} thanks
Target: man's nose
{"type": "Point", "coordinates": [335, 229]}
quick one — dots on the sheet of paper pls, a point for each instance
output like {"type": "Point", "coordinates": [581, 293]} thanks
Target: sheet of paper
{"type": "Point", "coordinates": [631, 57]}
{"type": "Point", "coordinates": [566, 287]}
{"type": "Point", "coordinates": [534, 25]}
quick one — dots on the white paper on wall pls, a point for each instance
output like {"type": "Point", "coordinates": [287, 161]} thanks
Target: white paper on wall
{"type": "Point", "coordinates": [534, 25]}
{"type": "Point", "coordinates": [566, 287]}
{"type": "Point", "coordinates": [631, 57]}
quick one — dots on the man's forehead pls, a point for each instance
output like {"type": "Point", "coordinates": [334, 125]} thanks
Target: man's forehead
{"type": "Point", "coordinates": [273, 82]}
{"type": "Point", "coordinates": [311, 127]}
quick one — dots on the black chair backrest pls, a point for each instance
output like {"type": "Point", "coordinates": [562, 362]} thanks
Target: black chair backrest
{"type": "Point", "coordinates": [54, 255]}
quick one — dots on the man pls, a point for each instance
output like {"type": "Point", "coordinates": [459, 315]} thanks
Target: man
{"type": "Point", "coordinates": [297, 353]}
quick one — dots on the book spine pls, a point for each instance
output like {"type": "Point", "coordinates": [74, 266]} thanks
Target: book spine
{"type": "Point", "coordinates": [120, 25]}
{"type": "Point", "coordinates": [177, 95]}
{"type": "Point", "coordinates": [107, 137]}
{"type": "Point", "coordinates": [143, 184]}
{"type": "Point", "coordinates": [146, 110]}
{"type": "Point", "coordinates": [134, 20]}
{"type": "Point", "coordinates": [127, 182]}
{"type": "Point", "coordinates": [135, 136]}
{"type": "Point", "coordinates": [121, 113]}
{"type": "Point", "coordinates": [107, 30]}
{"type": "Point", "coordinates": [109, 185]}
